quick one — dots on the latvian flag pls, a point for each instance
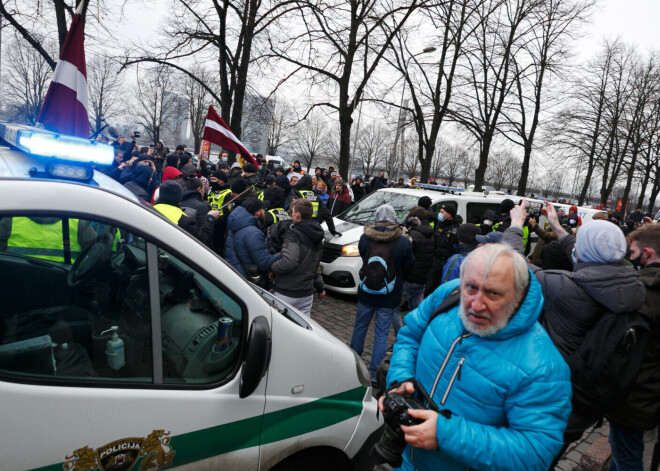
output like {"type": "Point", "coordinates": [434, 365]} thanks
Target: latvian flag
{"type": "Point", "coordinates": [65, 106]}
{"type": "Point", "coordinates": [217, 132]}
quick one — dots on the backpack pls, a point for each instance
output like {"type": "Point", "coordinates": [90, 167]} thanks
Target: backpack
{"type": "Point", "coordinates": [605, 365]}
{"type": "Point", "coordinates": [377, 275]}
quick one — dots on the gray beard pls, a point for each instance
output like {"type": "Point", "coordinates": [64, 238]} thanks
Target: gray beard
{"type": "Point", "coordinates": [485, 331]}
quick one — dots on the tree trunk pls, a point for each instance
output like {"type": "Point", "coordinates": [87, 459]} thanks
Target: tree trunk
{"type": "Point", "coordinates": [587, 180]}
{"type": "Point", "coordinates": [524, 172]}
{"type": "Point", "coordinates": [629, 179]}
{"type": "Point", "coordinates": [645, 182]}
{"type": "Point", "coordinates": [429, 150]}
{"type": "Point", "coordinates": [480, 173]}
{"type": "Point", "coordinates": [345, 123]}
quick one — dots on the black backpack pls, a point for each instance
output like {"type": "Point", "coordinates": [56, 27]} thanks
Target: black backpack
{"type": "Point", "coordinates": [605, 365]}
{"type": "Point", "coordinates": [377, 275]}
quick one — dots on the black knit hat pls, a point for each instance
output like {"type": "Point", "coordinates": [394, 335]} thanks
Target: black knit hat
{"type": "Point", "coordinates": [238, 186]}
{"type": "Point", "coordinates": [170, 192]}
{"type": "Point", "coordinates": [249, 168]}
{"type": "Point", "coordinates": [506, 206]}
{"type": "Point", "coordinates": [252, 205]}
{"type": "Point", "coordinates": [424, 202]}
{"type": "Point", "coordinates": [467, 233]}
{"type": "Point", "coordinates": [220, 175]}
{"type": "Point", "coordinates": [450, 208]}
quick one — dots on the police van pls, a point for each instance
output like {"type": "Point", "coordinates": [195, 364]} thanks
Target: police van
{"type": "Point", "coordinates": [341, 262]}
{"type": "Point", "coordinates": [127, 344]}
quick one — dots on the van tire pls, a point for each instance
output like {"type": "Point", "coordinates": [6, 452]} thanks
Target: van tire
{"type": "Point", "coordinates": [315, 459]}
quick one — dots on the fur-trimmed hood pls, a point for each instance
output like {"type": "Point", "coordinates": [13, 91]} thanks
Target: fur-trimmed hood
{"type": "Point", "coordinates": [382, 232]}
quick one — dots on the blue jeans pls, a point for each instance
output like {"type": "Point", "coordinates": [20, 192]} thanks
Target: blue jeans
{"type": "Point", "coordinates": [627, 449]}
{"type": "Point", "coordinates": [414, 293]}
{"type": "Point", "coordinates": [383, 321]}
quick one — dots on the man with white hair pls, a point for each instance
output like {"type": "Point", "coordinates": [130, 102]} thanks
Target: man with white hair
{"type": "Point", "coordinates": [491, 364]}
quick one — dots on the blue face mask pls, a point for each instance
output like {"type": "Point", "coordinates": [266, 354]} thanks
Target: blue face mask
{"type": "Point", "coordinates": [441, 217]}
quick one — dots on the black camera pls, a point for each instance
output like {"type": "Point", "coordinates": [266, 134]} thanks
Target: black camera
{"type": "Point", "coordinates": [136, 134]}
{"type": "Point", "coordinates": [395, 412]}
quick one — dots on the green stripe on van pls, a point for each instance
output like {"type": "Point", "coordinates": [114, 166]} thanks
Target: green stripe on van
{"type": "Point", "coordinates": [276, 426]}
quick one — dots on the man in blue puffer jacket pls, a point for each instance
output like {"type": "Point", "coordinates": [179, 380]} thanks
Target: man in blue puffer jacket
{"type": "Point", "coordinates": [246, 242]}
{"type": "Point", "coordinates": [491, 364]}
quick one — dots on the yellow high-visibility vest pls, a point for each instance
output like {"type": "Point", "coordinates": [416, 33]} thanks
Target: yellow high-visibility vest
{"type": "Point", "coordinates": [45, 241]}
{"type": "Point", "coordinates": [172, 213]}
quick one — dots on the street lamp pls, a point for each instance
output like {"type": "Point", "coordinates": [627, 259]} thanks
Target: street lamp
{"type": "Point", "coordinates": [399, 127]}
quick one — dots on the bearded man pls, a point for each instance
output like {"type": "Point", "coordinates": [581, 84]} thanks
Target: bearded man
{"type": "Point", "coordinates": [489, 366]}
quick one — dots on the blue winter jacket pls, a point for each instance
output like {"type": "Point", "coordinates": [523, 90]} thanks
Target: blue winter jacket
{"type": "Point", "coordinates": [510, 399]}
{"type": "Point", "coordinates": [250, 242]}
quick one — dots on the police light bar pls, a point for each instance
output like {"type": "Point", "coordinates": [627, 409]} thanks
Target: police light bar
{"type": "Point", "coordinates": [439, 187]}
{"type": "Point", "coordinates": [39, 142]}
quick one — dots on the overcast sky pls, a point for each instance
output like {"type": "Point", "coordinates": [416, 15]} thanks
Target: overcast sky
{"type": "Point", "coordinates": [635, 21]}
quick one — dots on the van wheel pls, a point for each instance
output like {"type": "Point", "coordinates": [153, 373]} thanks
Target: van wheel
{"type": "Point", "coordinates": [315, 459]}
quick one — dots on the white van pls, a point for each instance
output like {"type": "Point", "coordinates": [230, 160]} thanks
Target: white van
{"type": "Point", "coordinates": [127, 344]}
{"type": "Point", "coordinates": [277, 161]}
{"type": "Point", "coordinates": [341, 262]}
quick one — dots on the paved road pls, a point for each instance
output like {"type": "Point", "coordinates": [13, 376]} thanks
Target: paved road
{"type": "Point", "coordinates": [336, 313]}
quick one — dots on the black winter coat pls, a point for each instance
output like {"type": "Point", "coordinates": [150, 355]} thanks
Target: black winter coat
{"type": "Point", "coordinates": [423, 247]}
{"type": "Point", "coordinates": [192, 199]}
{"type": "Point", "coordinates": [446, 238]}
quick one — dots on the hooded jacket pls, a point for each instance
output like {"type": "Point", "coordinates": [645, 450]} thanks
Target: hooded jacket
{"type": "Point", "coordinates": [511, 400]}
{"type": "Point", "coordinates": [139, 181]}
{"type": "Point", "coordinates": [295, 271]}
{"type": "Point", "coordinates": [641, 409]}
{"type": "Point", "coordinates": [575, 301]}
{"type": "Point", "coordinates": [193, 199]}
{"type": "Point", "coordinates": [246, 243]}
{"type": "Point", "coordinates": [402, 258]}
{"type": "Point", "coordinates": [423, 246]}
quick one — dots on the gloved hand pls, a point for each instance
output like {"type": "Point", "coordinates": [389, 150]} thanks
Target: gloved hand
{"type": "Point", "coordinates": [336, 234]}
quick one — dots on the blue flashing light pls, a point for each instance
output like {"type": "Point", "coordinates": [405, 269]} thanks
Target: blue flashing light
{"type": "Point", "coordinates": [64, 147]}
{"type": "Point", "coordinates": [439, 187]}
{"type": "Point", "coordinates": [39, 142]}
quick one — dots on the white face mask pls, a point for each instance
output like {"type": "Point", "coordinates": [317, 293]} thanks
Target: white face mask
{"type": "Point", "coordinates": [488, 222]}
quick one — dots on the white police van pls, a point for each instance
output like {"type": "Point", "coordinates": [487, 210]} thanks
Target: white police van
{"type": "Point", "coordinates": [127, 344]}
{"type": "Point", "coordinates": [341, 262]}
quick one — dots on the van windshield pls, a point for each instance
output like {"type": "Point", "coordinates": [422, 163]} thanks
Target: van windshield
{"type": "Point", "coordinates": [363, 211]}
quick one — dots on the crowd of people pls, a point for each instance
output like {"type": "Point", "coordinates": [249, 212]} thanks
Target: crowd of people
{"type": "Point", "coordinates": [497, 334]}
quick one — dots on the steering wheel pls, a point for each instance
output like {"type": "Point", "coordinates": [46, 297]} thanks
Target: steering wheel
{"type": "Point", "coordinates": [90, 259]}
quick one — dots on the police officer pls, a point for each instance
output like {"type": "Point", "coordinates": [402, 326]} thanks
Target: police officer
{"type": "Point", "coordinates": [320, 213]}
{"type": "Point", "coordinates": [445, 232]}
{"type": "Point", "coordinates": [274, 201]}
{"type": "Point", "coordinates": [219, 190]}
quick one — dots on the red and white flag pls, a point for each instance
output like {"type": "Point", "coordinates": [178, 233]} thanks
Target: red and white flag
{"type": "Point", "coordinates": [65, 107]}
{"type": "Point", "coordinates": [217, 132]}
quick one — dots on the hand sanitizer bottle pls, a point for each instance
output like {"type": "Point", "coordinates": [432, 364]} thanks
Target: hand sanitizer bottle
{"type": "Point", "coordinates": [114, 349]}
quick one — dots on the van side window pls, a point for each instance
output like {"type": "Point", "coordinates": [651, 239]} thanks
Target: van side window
{"type": "Point", "coordinates": [202, 325]}
{"type": "Point", "coordinates": [475, 211]}
{"type": "Point", "coordinates": [75, 301]}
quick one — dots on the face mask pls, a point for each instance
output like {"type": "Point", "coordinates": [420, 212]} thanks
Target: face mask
{"type": "Point", "coordinates": [488, 222]}
{"type": "Point", "coordinates": [575, 260]}
{"type": "Point", "coordinates": [215, 186]}
{"type": "Point", "coordinates": [441, 217]}
{"type": "Point", "coordinates": [637, 262]}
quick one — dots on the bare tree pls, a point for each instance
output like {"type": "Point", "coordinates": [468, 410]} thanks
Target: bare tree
{"type": "Point", "coordinates": [198, 99]}
{"type": "Point", "coordinates": [468, 168]}
{"type": "Point", "coordinates": [448, 161]}
{"type": "Point", "coordinates": [26, 79]}
{"type": "Point", "coordinates": [311, 140]}
{"type": "Point", "coordinates": [551, 28]}
{"type": "Point", "coordinates": [372, 146]}
{"type": "Point", "coordinates": [339, 48]}
{"type": "Point", "coordinates": [490, 73]}
{"type": "Point", "coordinates": [104, 84]}
{"type": "Point", "coordinates": [501, 169]}
{"type": "Point", "coordinates": [281, 121]}
{"type": "Point", "coordinates": [431, 85]}
{"type": "Point", "coordinates": [33, 20]}
{"type": "Point", "coordinates": [157, 106]}
{"type": "Point", "coordinates": [220, 31]}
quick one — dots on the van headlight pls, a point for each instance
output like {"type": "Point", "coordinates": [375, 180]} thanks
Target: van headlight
{"type": "Point", "coordinates": [350, 250]}
{"type": "Point", "coordinates": [362, 372]}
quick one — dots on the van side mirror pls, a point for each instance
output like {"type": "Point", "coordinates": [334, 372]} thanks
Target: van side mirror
{"type": "Point", "coordinates": [256, 362]}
